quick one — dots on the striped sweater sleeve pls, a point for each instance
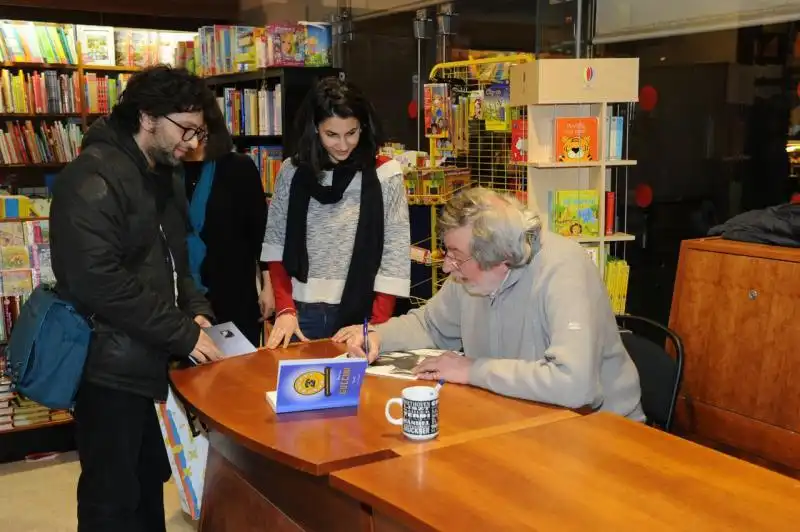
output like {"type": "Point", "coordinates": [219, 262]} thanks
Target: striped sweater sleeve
{"type": "Point", "coordinates": [275, 234]}
{"type": "Point", "coordinates": [394, 274]}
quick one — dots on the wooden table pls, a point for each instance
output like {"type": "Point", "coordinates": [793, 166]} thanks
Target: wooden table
{"type": "Point", "coordinates": [596, 472]}
{"type": "Point", "coordinates": [265, 468]}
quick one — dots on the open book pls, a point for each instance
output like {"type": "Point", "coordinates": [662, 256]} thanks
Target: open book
{"type": "Point", "coordinates": [398, 364]}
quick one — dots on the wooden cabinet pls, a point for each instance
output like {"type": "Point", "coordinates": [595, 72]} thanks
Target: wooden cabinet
{"type": "Point", "coordinates": [737, 308]}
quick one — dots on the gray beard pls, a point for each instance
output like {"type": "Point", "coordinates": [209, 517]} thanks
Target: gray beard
{"type": "Point", "coordinates": [160, 156]}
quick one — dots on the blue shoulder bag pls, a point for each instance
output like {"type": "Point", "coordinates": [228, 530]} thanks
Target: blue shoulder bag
{"type": "Point", "coordinates": [48, 348]}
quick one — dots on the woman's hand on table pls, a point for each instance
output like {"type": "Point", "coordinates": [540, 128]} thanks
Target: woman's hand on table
{"type": "Point", "coordinates": [285, 327]}
{"type": "Point", "coordinates": [353, 337]}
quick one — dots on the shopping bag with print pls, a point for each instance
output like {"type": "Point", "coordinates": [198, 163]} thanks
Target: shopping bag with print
{"type": "Point", "coordinates": [187, 446]}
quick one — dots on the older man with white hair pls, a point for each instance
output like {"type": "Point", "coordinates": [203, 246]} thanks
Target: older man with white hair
{"type": "Point", "coordinates": [527, 307]}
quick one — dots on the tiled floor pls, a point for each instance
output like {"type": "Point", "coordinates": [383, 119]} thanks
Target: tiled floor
{"type": "Point", "coordinates": [40, 497]}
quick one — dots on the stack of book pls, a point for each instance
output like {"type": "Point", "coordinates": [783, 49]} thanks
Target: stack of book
{"type": "Point", "coordinates": [24, 143]}
{"type": "Point", "coordinates": [252, 111]}
{"type": "Point", "coordinates": [231, 49]}
{"type": "Point", "coordinates": [24, 264]}
{"type": "Point", "coordinates": [103, 92]}
{"type": "Point", "coordinates": [47, 92]}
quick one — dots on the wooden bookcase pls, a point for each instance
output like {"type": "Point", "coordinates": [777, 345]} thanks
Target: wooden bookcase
{"type": "Point", "coordinates": [547, 89]}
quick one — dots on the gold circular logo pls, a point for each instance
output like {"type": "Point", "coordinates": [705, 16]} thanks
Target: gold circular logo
{"type": "Point", "coordinates": [309, 383]}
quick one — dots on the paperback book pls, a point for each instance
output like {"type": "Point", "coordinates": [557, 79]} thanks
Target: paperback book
{"type": "Point", "coordinates": [316, 384]}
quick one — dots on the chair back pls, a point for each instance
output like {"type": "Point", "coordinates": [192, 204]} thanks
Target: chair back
{"type": "Point", "coordinates": [660, 373]}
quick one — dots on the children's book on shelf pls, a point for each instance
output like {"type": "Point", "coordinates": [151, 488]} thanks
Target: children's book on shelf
{"type": "Point", "coordinates": [97, 44]}
{"type": "Point", "coordinates": [252, 111]}
{"type": "Point", "coordinates": [37, 42]}
{"type": "Point", "coordinates": [476, 105]}
{"type": "Point", "coordinates": [22, 143]}
{"type": "Point", "coordinates": [574, 213]}
{"type": "Point", "coordinates": [576, 139]}
{"type": "Point", "coordinates": [519, 140]}
{"type": "Point", "coordinates": [437, 109]}
{"type": "Point", "coordinates": [617, 273]}
{"type": "Point", "coordinates": [317, 43]}
{"type": "Point", "coordinates": [615, 133]}
{"type": "Point", "coordinates": [316, 384]}
{"type": "Point", "coordinates": [38, 92]}
{"type": "Point", "coordinates": [268, 160]}
{"type": "Point", "coordinates": [285, 44]}
{"type": "Point", "coordinates": [496, 112]}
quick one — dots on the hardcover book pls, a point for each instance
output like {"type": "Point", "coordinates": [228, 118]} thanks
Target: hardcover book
{"type": "Point", "coordinates": [316, 384]}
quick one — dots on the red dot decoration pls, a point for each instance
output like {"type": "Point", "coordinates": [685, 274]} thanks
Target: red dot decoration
{"type": "Point", "coordinates": [644, 195]}
{"type": "Point", "coordinates": [648, 97]}
{"type": "Point", "coordinates": [412, 109]}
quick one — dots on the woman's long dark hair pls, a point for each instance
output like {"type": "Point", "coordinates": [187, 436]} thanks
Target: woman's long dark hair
{"type": "Point", "coordinates": [219, 140]}
{"type": "Point", "coordinates": [335, 97]}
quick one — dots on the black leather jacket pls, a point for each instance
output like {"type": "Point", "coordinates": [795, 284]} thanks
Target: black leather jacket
{"type": "Point", "coordinates": [112, 260]}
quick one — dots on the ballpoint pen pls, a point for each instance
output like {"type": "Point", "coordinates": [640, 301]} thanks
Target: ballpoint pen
{"type": "Point", "coordinates": [439, 385]}
{"type": "Point", "coordinates": [366, 336]}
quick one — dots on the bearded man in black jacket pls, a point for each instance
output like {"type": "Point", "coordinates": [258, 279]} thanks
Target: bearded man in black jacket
{"type": "Point", "coordinates": [118, 232]}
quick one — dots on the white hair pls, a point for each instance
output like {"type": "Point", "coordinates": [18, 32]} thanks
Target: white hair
{"type": "Point", "coordinates": [503, 229]}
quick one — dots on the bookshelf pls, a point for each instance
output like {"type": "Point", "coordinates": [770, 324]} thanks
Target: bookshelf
{"type": "Point", "coordinates": [24, 262]}
{"type": "Point", "coordinates": [551, 89]}
{"type": "Point", "coordinates": [570, 136]}
{"type": "Point", "coordinates": [51, 89]}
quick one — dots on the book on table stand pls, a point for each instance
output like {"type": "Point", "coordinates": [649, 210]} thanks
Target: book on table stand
{"type": "Point", "coordinates": [316, 384]}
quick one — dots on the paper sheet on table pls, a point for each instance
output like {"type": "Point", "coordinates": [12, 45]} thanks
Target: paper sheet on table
{"type": "Point", "coordinates": [398, 364]}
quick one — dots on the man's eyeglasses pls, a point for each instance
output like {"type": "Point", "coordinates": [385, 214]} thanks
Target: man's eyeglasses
{"type": "Point", "coordinates": [454, 262]}
{"type": "Point", "coordinates": [191, 132]}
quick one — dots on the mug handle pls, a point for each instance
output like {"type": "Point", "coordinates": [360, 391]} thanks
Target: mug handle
{"type": "Point", "coordinates": [391, 419]}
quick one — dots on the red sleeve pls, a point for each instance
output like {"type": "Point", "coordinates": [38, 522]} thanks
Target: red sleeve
{"type": "Point", "coordinates": [281, 286]}
{"type": "Point", "coordinates": [382, 307]}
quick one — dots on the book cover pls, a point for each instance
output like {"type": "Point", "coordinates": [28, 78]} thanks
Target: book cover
{"type": "Point", "coordinates": [476, 105]}
{"type": "Point", "coordinates": [285, 45]}
{"type": "Point", "coordinates": [575, 213]}
{"type": "Point", "coordinates": [496, 112]}
{"type": "Point", "coordinates": [316, 384]}
{"type": "Point", "coordinates": [615, 130]}
{"type": "Point", "coordinates": [14, 258]}
{"type": "Point", "coordinates": [230, 339]}
{"type": "Point", "coordinates": [519, 140]}
{"type": "Point", "coordinates": [576, 139]}
{"type": "Point", "coordinates": [436, 110]}
{"type": "Point", "coordinates": [317, 43]}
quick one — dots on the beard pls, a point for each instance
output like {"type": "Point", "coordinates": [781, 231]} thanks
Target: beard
{"type": "Point", "coordinates": [163, 155]}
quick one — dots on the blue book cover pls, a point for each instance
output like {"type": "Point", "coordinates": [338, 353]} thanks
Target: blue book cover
{"type": "Point", "coordinates": [315, 384]}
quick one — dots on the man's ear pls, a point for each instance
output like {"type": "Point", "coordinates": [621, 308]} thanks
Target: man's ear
{"type": "Point", "coordinates": [147, 122]}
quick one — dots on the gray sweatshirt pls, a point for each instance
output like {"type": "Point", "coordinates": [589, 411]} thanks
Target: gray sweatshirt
{"type": "Point", "coordinates": [547, 335]}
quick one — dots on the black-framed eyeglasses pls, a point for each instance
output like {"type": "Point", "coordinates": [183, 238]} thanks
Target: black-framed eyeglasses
{"type": "Point", "coordinates": [191, 132]}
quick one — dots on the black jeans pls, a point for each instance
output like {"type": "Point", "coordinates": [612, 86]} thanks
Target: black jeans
{"type": "Point", "coordinates": [124, 462]}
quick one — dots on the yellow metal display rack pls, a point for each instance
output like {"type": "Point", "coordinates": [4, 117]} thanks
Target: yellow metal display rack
{"type": "Point", "coordinates": [475, 156]}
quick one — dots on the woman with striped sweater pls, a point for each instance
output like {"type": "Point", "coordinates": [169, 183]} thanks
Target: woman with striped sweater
{"type": "Point", "coordinates": [337, 237]}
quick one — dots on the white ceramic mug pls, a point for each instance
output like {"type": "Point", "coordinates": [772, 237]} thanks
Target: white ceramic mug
{"type": "Point", "coordinates": [420, 418]}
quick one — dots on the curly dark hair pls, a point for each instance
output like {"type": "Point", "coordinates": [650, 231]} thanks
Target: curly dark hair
{"type": "Point", "coordinates": [331, 97]}
{"type": "Point", "coordinates": [159, 91]}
